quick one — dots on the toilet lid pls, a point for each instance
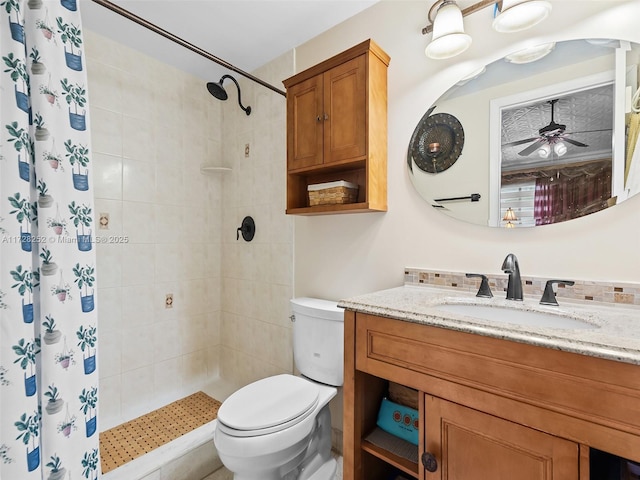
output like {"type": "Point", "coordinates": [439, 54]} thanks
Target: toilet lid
{"type": "Point", "coordinates": [268, 402]}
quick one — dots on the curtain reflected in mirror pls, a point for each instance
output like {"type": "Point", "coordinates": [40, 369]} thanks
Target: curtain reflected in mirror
{"type": "Point", "coordinates": [551, 195]}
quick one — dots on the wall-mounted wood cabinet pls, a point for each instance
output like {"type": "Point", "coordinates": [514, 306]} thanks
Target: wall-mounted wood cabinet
{"type": "Point", "coordinates": [488, 408]}
{"type": "Point", "coordinates": [337, 129]}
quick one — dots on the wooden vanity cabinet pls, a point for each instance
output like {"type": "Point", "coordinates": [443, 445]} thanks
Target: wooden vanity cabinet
{"type": "Point", "coordinates": [489, 408]}
{"type": "Point", "coordinates": [337, 129]}
{"type": "Point", "coordinates": [472, 445]}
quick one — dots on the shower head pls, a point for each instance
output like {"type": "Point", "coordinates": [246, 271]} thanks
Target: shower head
{"type": "Point", "coordinates": [218, 91]}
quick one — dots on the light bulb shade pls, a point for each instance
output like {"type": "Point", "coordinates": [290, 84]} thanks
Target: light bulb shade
{"type": "Point", "coordinates": [509, 225]}
{"type": "Point", "coordinates": [544, 151]}
{"type": "Point", "coordinates": [560, 148]}
{"type": "Point", "coordinates": [472, 76]}
{"type": "Point", "coordinates": [517, 15]}
{"type": "Point", "coordinates": [509, 215]}
{"type": "Point", "coordinates": [448, 38]}
{"type": "Point", "coordinates": [531, 54]}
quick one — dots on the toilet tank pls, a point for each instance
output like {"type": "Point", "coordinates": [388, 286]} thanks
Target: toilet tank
{"type": "Point", "coordinates": [318, 339]}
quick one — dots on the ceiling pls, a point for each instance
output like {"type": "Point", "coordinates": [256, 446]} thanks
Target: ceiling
{"type": "Point", "coordinates": [244, 33]}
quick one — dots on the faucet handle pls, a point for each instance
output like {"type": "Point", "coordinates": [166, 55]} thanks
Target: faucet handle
{"type": "Point", "coordinates": [549, 297]}
{"type": "Point", "coordinates": [484, 290]}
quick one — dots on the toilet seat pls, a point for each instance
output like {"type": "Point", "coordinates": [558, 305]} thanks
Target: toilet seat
{"type": "Point", "coordinates": [268, 406]}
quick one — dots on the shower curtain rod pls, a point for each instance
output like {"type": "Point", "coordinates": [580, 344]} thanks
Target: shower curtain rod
{"type": "Point", "coordinates": [170, 36]}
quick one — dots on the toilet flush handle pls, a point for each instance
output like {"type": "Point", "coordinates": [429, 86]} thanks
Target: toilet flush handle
{"type": "Point", "coordinates": [292, 318]}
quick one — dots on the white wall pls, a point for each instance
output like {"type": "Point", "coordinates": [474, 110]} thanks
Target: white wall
{"type": "Point", "coordinates": [343, 255]}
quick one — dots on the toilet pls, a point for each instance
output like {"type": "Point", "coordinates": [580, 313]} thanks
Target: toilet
{"type": "Point", "coordinates": [279, 428]}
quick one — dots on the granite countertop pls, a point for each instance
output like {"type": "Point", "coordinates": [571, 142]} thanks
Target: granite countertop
{"type": "Point", "coordinates": [615, 334]}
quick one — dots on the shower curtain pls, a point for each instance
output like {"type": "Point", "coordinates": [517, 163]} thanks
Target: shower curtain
{"type": "Point", "coordinates": [48, 326]}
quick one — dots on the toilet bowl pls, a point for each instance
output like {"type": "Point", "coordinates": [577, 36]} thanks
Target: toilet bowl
{"type": "Point", "coordinates": [279, 443]}
{"type": "Point", "coordinates": [279, 428]}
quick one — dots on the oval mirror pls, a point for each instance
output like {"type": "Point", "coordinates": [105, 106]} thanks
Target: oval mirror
{"type": "Point", "coordinates": [549, 135]}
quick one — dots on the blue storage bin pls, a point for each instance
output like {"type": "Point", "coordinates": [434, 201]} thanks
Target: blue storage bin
{"type": "Point", "coordinates": [399, 420]}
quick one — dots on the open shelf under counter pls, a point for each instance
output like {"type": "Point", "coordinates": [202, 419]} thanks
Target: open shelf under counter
{"type": "Point", "coordinates": [393, 450]}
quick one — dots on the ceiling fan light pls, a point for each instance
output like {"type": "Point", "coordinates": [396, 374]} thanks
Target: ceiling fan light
{"type": "Point", "coordinates": [560, 148]}
{"type": "Point", "coordinates": [544, 151]}
{"type": "Point", "coordinates": [517, 15]}
{"type": "Point", "coordinates": [448, 38]}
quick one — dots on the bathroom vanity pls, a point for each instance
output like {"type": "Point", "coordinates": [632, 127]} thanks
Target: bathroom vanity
{"type": "Point", "coordinates": [493, 396]}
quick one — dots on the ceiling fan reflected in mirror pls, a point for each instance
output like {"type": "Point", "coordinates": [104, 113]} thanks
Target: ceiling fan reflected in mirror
{"type": "Point", "coordinates": [551, 138]}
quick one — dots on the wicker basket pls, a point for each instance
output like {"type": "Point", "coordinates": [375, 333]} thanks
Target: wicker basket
{"type": "Point", "coordinates": [332, 193]}
{"type": "Point", "coordinates": [403, 395]}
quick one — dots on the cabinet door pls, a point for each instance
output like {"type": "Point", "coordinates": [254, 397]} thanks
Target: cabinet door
{"type": "Point", "coordinates": [305, 124]}
{"type": "Point", "coordinates": [345, 115]}
{"type": "Point", "coordinates": [471, 445]}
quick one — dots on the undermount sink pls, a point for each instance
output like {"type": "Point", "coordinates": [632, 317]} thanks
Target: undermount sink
{"type": "Point", "coordinates": [515, 316]}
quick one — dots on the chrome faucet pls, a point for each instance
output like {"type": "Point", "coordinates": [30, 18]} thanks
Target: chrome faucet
{"type": "Point", "coordinates": [514, 287]}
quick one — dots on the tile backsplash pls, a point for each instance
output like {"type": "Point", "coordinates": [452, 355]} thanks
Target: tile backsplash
{"type": "Point", "coordinates": [607, 292]}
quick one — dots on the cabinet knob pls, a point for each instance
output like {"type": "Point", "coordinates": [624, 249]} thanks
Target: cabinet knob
{"type": "Point", "coordinates": [318, 118]}
{"type": "Point", "coordinates": [429, 462]}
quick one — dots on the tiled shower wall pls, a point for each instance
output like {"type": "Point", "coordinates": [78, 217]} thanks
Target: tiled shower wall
{"type": "Point", "coordinates": [159, 274]}
{"type": "Point", "coordinates": [257, 277]}
{"type": "Point", "coordinates": [174, 230]}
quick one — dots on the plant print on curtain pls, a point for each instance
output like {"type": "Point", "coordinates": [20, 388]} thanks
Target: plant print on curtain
{"type": "Point", "coordinates": [48, 327]}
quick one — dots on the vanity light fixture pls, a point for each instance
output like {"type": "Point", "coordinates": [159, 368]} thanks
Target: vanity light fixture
{"type": "Point", "coordinates": [517, 15]}
{"type": "Point", "coordinates": [472, 76]}
{"type": "Point", "coordinates": [531, 54]}
{"type": "Point", "coordinates": [449, 38]}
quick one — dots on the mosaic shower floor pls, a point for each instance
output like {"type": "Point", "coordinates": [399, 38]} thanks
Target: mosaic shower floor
{"type": "Point", "coordinates": [141, 435]}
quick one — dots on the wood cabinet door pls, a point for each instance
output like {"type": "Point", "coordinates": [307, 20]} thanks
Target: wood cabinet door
{"type": "Point", "coordinates": [471, 445]}
{"type": "Point", "coordinates": [305, 117]}
{"type": "Point", "coordinates": [345, 111]}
